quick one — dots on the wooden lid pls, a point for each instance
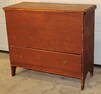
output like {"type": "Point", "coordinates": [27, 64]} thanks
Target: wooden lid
{"type": "Point", "coordinates": [35, 6]}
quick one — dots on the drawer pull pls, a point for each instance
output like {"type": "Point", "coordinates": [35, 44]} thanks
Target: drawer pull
{"type": "Point", "coordinates": [65, 62]}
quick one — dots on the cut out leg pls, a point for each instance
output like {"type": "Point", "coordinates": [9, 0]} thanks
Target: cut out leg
{"type": "Point", "coordinates": [82, 83]}
{"type": "Point", "coordinates": [13, 70]}
{"type": "Point", "coordinates": [91, 72]}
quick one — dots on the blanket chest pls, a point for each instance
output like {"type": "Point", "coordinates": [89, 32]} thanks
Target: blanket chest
{"type": "Point", "coordinates": [53, 38]}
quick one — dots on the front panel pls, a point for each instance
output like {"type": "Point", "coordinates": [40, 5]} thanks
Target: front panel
{"type": "Point", "coordinates": [67, 63]}
{"type": "Point", "coordinates": [57, 31]}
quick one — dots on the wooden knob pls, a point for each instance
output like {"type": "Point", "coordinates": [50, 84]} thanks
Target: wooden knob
{"type": "Point", "coordinates": [65, 62]}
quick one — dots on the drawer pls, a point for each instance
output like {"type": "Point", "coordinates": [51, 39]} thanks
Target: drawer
{"type": "Point", "coordinates": [45, 30]}
{"type": "Point", "coordinates": [68, 63]}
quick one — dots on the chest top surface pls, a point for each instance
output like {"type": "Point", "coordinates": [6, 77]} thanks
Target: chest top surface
{"type": "Point", "coordinates": [35, 6]}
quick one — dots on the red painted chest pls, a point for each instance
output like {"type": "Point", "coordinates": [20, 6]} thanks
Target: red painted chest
{"type": "Point", "coordinates": [53, 38]}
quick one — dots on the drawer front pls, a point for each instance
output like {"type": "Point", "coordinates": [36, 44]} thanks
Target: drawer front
{"type": "Point", "coordinates": [54, 60]}
{"type": "Point", "coordinates": [45, 30]}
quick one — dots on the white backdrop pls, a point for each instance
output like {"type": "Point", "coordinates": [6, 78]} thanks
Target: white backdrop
{"type": "Point", "coordinates": [3, 35]}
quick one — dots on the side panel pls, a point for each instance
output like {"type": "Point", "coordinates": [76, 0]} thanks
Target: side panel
{"type": "Point", "coordinates": [88, 52]}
